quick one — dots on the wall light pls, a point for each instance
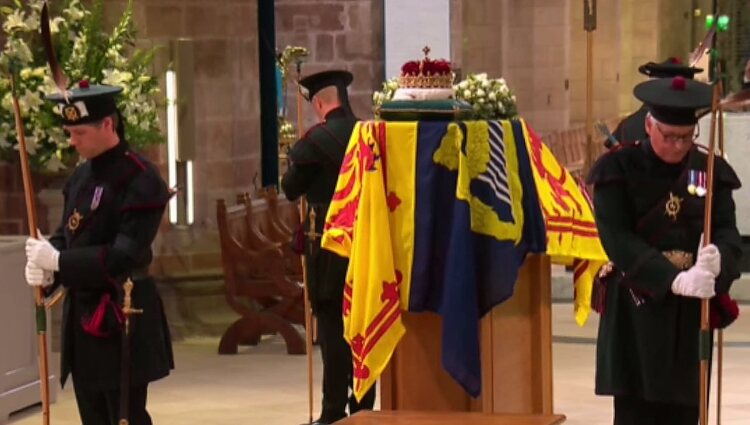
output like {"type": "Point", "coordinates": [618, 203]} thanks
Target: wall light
{"type": "Point", "coordinates": [180, 131]}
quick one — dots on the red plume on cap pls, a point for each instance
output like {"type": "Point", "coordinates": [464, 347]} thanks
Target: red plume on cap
{"type": "Point", "coordinates": [675, 60]}
{"type": "Point", "coordinates": [84, 84]}
{"type": "Point", "coordinates": [678, 83]}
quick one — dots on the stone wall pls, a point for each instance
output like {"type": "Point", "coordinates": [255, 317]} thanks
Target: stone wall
{"type": "Point", "coordinates": [339, 34]}
{"type": "Point", "coordinates": [638, 22]}
{"type": "Point", "coordinates": [539, 46]}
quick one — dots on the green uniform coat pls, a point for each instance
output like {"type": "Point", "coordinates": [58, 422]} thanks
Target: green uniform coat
{"type": "Point", "coordinates": [113, 207]}
{"type": "Point", "coordinates": [648, 343]}
{"type": "Point", "coordinates": [314, 167]}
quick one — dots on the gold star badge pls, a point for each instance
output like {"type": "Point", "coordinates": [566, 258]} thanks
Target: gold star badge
{"type": "Point", "coordinates": [673, 205]}
{"type": "Point", "coordinates": [74, 220]}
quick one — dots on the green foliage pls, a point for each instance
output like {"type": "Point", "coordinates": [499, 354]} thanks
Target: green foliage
{"type": "Point", "coordinates": [85, 51]}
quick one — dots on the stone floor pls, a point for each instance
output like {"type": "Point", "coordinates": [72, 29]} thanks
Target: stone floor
{"type": "Point", "coordinates": [263, 385]}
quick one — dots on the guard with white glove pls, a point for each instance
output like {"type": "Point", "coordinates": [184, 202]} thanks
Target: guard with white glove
{"type": "Point", "coordinates": [43, 254]}
{"type": "Point", "coordinates": [37, 276]}
{"type": "Point", "coordinates": [696, 282]}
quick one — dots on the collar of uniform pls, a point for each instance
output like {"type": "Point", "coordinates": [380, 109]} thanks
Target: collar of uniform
{"type": "Point", "coordinates": [661, 165]}
{"type": "Point", "coordinates": [105, 160]}
{"type": "Point", "coordinates": [338, 112]}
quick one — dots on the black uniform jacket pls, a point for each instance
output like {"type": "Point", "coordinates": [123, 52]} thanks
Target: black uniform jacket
{"type": "Point", "coordinates": [649, 337]}
{"type": "Point", "coordinates": [314, 167]}
{"type": "Point", "coordinates": [113, 207]}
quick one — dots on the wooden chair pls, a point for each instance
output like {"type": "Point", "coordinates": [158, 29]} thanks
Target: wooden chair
{"type": "Point", "coordinates": [284, 219]}
{"type": "Point", "coordinates": [263, 224]}
{"type": "Point", "coordinates": [256, 286]}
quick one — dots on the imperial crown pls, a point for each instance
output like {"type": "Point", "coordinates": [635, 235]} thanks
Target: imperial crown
{"type": "Point", "coordinates": [426, 73]}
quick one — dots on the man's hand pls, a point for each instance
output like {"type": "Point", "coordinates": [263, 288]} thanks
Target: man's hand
{"type": "Point", "coordinates": [696, 282]}
{"type": "Point", "coordinates": [709, 258]}
{"type": "Point", "coordinates": [42, 254]}
{"type": "Point", "coordinates": [37, 276]}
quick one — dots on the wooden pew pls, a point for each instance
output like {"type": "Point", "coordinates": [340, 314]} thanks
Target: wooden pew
{"type": "Point", "coordinates": [256, 286]}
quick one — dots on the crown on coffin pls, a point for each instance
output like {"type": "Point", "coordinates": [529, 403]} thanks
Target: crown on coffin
{"type": "Point", "coordinates": [426, 73]}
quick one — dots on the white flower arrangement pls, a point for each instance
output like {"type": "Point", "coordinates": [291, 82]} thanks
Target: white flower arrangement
{"type": "Point", "coordinates": [489, 98]}
{"type": "Point", "coordinates": [388, 89]}
{"type": "Point", "coordinates": [85, 52]}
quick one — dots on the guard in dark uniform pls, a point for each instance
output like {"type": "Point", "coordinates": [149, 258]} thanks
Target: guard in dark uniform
{"type": "Point", "coordinates": [631, 129]}
{"type": "Point", "coordinates": [649, 200]}
{"type": "Point", "coordinates": [314, 167]}
{"type": "Point", "coordinates": [114, 203]}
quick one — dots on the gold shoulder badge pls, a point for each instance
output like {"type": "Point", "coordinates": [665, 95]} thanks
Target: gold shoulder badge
{"type": "Point", "coordinates": [74, 220]}
{"type": "Point", "coordinates": [673, 205]}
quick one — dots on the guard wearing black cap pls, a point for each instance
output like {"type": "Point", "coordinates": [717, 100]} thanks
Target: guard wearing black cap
{"type": "Point", "coordinates": [315, 161]}
{"type": "Point", "coordinates": [631, 127]}
{"type": "Point", "coordinates": [649, 200]}
{"type": "Point", "coordinates": [114, 203]}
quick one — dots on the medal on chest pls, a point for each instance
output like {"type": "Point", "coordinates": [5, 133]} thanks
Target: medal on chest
{"type": "Point", "coordinates": [97, 197]}
{"type": "Point", "coordinates": [673, 206]}
{"type": "Point", "coordinates": [697, 183]}
{"type": "Point", "coordinates": [74, 220]}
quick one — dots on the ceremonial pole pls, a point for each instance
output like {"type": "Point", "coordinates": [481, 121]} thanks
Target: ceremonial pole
{"type": "Point", "coordinates": [41, 312]}
{"type": "Point", "coordinates": [589, 25]}
{"type": "Point", "coordinates": [305, 278]}
{"type": "Point", "coordinates": [705, 332]}
{"type": "Point", "coordinates": [720, 333]}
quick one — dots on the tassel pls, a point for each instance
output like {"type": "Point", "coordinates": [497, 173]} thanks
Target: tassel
{"type": "Point", "coordinates": [96, 324]}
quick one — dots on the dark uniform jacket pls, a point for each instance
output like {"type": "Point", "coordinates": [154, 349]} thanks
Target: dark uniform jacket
{"type": "Point", "coordinates": [633, 127]}
{"type": "Point", "coordinates": [113, 206]}
{"type": "Point", "coordinates": [314, 167]}
{"type": "Point", "coordinates": [648, 337]}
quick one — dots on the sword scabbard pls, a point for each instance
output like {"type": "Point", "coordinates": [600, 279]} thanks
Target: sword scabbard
{"type": "Point", "coordinates": [127, 311]}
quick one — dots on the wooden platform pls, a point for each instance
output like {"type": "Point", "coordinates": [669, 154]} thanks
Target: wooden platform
{"type": "Point", "coordinates": [516, 355]}
{"type": "Point", "coordinates": [402, 417]}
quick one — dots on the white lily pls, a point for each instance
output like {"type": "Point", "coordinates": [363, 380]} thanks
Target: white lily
{"type": "Point", "coordinates": [14, 22]}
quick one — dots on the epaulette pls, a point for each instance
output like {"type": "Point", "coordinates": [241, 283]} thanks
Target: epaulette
{"type": "Point", "coordinates": [133, 164]}
{"type": "Point", "coordinates": [137, 160]}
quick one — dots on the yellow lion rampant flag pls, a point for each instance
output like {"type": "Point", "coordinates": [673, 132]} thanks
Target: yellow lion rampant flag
{"type": "Point", "coordinates": [363, 215]}
{"type": "Point", "coordinates": [572, 236]}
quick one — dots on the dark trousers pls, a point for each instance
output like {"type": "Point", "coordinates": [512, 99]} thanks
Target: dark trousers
{"type": "Point", "coordinates": [632, 411]}
{"type": "Point", "coordinates": [337, 366]}
{"type": "Point", "coordinates": [103, 407]}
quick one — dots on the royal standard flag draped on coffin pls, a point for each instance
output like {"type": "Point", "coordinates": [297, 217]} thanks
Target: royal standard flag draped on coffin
{"type": "Point", "coordinates": [434, 216]}
{"type": "Point", "coordinates": [572, 236]}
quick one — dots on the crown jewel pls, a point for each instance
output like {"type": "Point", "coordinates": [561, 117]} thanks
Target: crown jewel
{"type": "Point", "coordinates": [426, 73]}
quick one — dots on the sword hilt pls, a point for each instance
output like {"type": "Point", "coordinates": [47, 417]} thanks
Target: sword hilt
{"type": "Point", "coordinates": [127, 304]}
{"type": "Point", "coordinates": [311, 233]}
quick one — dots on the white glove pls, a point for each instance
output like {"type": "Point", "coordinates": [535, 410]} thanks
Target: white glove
{"type": "Point", "coordinates": [696, 282]}
{"type": "Point", "coordinates": [709, 258]}
{"type": "Point", "coordinates": [37, 276]}
{"type": "Point", "coordinates": [43, 254]}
